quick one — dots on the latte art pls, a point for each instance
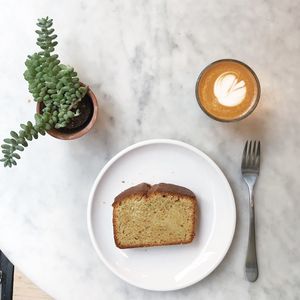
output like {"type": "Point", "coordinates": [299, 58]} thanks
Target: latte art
{"type": "Point", "coordinates": [228, 90]}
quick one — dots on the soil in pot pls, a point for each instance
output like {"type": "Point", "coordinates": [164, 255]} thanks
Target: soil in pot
{"type": "Point", "coordinates": [86, 109]}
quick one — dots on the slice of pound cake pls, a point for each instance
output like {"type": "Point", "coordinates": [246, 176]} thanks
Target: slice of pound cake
{"type": "Point", "coordinates": [162, 214]}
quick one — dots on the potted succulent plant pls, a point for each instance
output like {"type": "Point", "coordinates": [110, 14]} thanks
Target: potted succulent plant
{"type": "Point", "coordinates": [66, 108]}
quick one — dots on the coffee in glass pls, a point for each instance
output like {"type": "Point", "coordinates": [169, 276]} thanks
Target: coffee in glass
{"type": "Point", "coordinates": [227, 90]}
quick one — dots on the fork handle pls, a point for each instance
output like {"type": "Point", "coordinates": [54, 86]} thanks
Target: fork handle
{"type": "Point", "coordinates": [251, 267]}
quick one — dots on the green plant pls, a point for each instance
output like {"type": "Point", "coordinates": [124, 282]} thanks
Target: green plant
{"type": "Point", "coordinates": [50, 82]}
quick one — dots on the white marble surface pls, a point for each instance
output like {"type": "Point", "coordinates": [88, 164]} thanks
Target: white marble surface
{"type": "Point", "coordinates": [142, 59]}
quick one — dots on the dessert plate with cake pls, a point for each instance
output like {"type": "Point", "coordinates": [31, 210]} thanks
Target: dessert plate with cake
{"type": "Point", "coordinates": [161, 215]}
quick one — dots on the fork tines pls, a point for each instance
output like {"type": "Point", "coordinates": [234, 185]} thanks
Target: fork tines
{"type": "Point", "coordinates": [251, 156]}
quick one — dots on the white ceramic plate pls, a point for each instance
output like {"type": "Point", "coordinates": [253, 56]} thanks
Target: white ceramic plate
{"type": "Point", "coordinates": [168, 267]}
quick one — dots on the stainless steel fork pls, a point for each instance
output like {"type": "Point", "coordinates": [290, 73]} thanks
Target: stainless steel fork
{"type": "Point", "coordinates": [250, 172]}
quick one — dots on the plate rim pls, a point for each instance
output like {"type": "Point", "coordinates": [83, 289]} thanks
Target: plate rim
{"type": "Point", "coordinates": [114, 159]}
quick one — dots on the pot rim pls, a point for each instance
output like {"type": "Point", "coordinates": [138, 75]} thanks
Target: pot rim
{"type": "Point", "coordinates": [71, 136]}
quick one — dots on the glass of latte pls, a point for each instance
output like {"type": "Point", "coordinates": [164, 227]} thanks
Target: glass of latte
{"type": "Point", "coordinates": [228, 90]}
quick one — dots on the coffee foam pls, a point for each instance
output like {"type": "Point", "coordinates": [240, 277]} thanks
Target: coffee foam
{"type": "Point", "coordinates": [228, 90]}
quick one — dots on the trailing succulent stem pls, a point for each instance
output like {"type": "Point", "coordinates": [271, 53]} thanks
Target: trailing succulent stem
{"type": "Point", "coordinates": [50, 82]}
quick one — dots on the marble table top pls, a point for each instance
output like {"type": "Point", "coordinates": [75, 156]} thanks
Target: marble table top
{"type": "Point", "coordinates": [142, 59]}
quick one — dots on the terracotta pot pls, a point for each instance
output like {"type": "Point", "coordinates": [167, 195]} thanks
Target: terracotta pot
{"type": "Point", "coordinates": [75, 134]}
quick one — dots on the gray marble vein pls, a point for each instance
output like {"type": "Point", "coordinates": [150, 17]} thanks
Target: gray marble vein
{"type": "Point", "coordinates": [142, 59]}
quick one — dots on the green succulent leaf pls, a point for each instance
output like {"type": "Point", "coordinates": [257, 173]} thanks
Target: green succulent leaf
{"type": "Point", "coordinates": [16, 155]}
{"type": "Point", "coordinates": [47, 126]}
{"type": "Point", "coordinates": [8, 141]}
{"type": "Point", "coordinates": [14, 134]}
{"type": "Point", "coordinates": [5, 146]}
{"type": "Point", "coordinates": [22, 134]}
{"type": "Point", "coordinates": [24, 143]}
{"type": "Point", "coordinates": [29, 137]}
{"type": "Point", "coordinates": [20, 148]}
